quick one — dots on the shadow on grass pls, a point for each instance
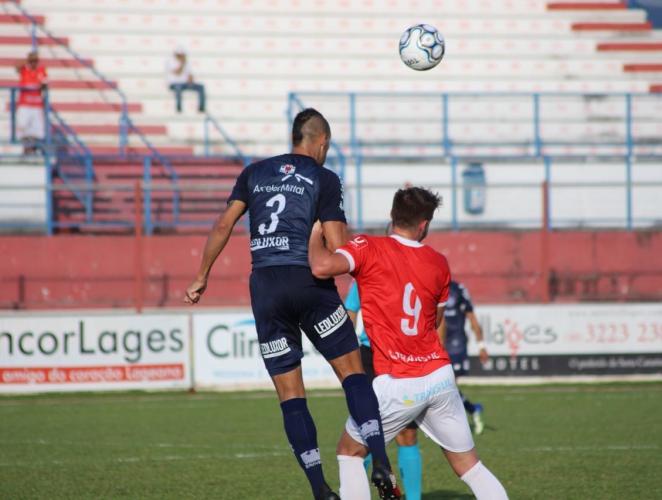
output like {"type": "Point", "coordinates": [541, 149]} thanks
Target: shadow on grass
{"type": "Point", "coordinates": [446, 495]}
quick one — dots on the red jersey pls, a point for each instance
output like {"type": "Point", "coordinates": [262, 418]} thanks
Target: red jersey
{"type": "Point", "coordinates": [32, 78]}
{"type": "Point", "coordinates": [401, 284]}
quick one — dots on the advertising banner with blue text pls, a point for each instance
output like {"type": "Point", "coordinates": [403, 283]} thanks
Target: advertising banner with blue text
{"type": "Point", "coordinates": [228, 355]}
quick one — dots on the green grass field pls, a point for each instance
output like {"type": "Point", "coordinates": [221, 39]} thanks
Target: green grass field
{"type": "Point", "coordinates": [552, 442]}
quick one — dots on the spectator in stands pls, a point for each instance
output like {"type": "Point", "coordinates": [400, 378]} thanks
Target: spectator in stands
{"type": "Point", "coordinates": [180, 79]}
{"type": "Point", "coordinates": [30, 121]}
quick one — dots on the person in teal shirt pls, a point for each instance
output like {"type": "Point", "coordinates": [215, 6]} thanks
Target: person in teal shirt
{"type": "Point", "coordinates": [409, 454]}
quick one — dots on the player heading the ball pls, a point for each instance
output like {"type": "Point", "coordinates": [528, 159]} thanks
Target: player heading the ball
{"type": "Point", "coordinates": [284, 196]}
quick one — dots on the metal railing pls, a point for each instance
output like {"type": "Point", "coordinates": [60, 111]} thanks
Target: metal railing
{"type": "Point", "coordinates": [356, 113]}
{"type": "Point", "coordinates": [536, 144]}
{"type": "Point", "coordinates": [148, 204]}
{"type": "Point", "coordinates": [210, 124]}
{"type": "Point", "coordinates": [64, 152]}
{"type": "Point", "coordinates": [126, 124]}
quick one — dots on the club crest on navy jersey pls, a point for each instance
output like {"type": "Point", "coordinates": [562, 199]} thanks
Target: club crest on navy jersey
{"type": "Point", "coordinates": [287, 169]}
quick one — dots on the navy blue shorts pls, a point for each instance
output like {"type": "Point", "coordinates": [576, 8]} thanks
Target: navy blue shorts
{"type": "Point", "coordinates": [289, 299]}
{"type": "Point", "coordinates": [460, 364]}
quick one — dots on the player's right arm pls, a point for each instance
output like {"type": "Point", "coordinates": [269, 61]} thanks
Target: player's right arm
{"type": "Point", "coordinates": [219, 235]}
{"type": "Point", "coordinates": [216, 241]}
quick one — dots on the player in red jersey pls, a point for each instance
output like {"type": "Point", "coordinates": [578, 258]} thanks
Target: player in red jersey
{"type": "Point", "coordinates": [403, 286]}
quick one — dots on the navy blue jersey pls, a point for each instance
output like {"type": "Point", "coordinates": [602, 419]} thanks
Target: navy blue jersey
{"type": "Point", "coordinates": [457, 306]}
{"type": "Point", "coordinates": [285, 195]}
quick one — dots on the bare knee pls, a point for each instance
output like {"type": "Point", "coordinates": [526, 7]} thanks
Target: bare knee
{"type": "Point", "coordinates": [289, 385]}
{"type": "Point", "coordinates": [348, 447]}
{"type": "Point", "coordinates": [406, 437]}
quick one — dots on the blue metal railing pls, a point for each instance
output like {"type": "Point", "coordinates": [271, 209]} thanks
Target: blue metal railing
{"type": "Point", "coordinates": [62, 149]}
{"type": "Point", "coordinates": [126, 125]}
{"type": "Point", "coordinates": [167, 166]}
{"type": "Point", "coordinates": [535, 144]}
{"type": "Point", "coordinates": [69, 150]}
{"type": "Point", "coordinates": [210, 123]}
{"type": "Point", "coordinates": [625, 145]}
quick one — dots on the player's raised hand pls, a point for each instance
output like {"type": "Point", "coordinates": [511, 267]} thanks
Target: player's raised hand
{"type": "Point", "coordinates": [195, 291]}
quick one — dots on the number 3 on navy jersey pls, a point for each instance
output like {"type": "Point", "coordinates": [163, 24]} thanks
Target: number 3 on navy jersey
{"type": "Point", "coordinates": [413, 311]}
{"type": "Point", "coordinates": [279, 200]}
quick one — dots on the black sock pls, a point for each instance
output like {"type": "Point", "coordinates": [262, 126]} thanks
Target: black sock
{"type": "Point", "coordinates": [364, 409]}
{"type": "Point", "coordinates": [468, 405]}
{"type": "Point", "coordinates": [302, 435]}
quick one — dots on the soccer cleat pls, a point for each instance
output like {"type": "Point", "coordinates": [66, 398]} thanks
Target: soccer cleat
{"type": "Point", "coordinates": [384, 480]}
{"type": "Point", "coordinates": [326, 494]}
{"type": "Point", "coordinates": [477, 415]}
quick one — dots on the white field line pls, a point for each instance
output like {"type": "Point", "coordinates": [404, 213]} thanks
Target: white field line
{"type": "Point", "coordinates": [610, 447]}
{"type": "Point", "coordinates": [115, 444]}
{"type": "Point", "coordinates": [166, 458]}
{"type": "Point", "coordinates": [269, 454]}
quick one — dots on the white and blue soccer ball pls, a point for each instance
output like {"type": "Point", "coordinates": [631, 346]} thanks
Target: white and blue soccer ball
{"type": "Point", "coordinates": [422, 47]}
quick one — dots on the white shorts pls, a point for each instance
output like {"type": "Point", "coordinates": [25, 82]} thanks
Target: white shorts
{"type": "Point", "coordinates": [30, 122]}
{"type": "Point", "coordinates": [432, 401]}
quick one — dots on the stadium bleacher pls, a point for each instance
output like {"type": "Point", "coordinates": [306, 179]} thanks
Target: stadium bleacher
{"type": "Point", "coordinates": [250, 55]}
{"type": "Point", "coordinates": [491, 46]}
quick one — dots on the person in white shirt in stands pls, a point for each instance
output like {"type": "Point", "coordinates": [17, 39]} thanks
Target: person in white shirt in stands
{"type": "Point", "coordinates": [180, 79]}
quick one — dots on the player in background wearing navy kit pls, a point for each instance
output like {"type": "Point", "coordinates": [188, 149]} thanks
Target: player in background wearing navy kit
{"type": "Point", "coordinates": [284, 196]}
{"type": "Point", "coordinates": [454, 337]}
{"type": "Point", "coordinates": [410, 461]}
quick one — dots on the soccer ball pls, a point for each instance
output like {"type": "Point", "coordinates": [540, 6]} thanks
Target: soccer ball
{"type": "Point", "coordinates": [421, 47]}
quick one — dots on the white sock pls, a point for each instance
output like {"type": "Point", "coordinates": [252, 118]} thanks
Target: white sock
{"type": "Point", "coordinates": [353, 478]}
{"type": "Point", "coordinates": [484, 484]}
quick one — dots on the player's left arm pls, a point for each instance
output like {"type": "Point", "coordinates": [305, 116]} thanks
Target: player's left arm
{"type": "Point", "coordinates": [480, 340]}
{"type": "Point", "coordinates": [323, 263]}
{"type": "Point", "coordinates": [216, 241]}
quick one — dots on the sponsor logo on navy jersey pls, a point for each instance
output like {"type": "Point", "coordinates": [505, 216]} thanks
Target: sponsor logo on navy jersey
{"type": "Point", "coordinates": [277, 242]}
{"type": "Point", "coordinates": [287, 169]}
{"type": "Point", "coordinates": [279, 188]}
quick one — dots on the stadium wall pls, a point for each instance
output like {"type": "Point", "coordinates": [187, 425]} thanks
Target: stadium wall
{"type": "Point", "coordinates": [498, 267]}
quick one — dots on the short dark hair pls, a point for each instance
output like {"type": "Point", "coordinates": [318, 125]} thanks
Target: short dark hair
{"type": "Point", "coordinates": [304, 117]}
{"type": "Point", "coordinates": [413, 205]}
